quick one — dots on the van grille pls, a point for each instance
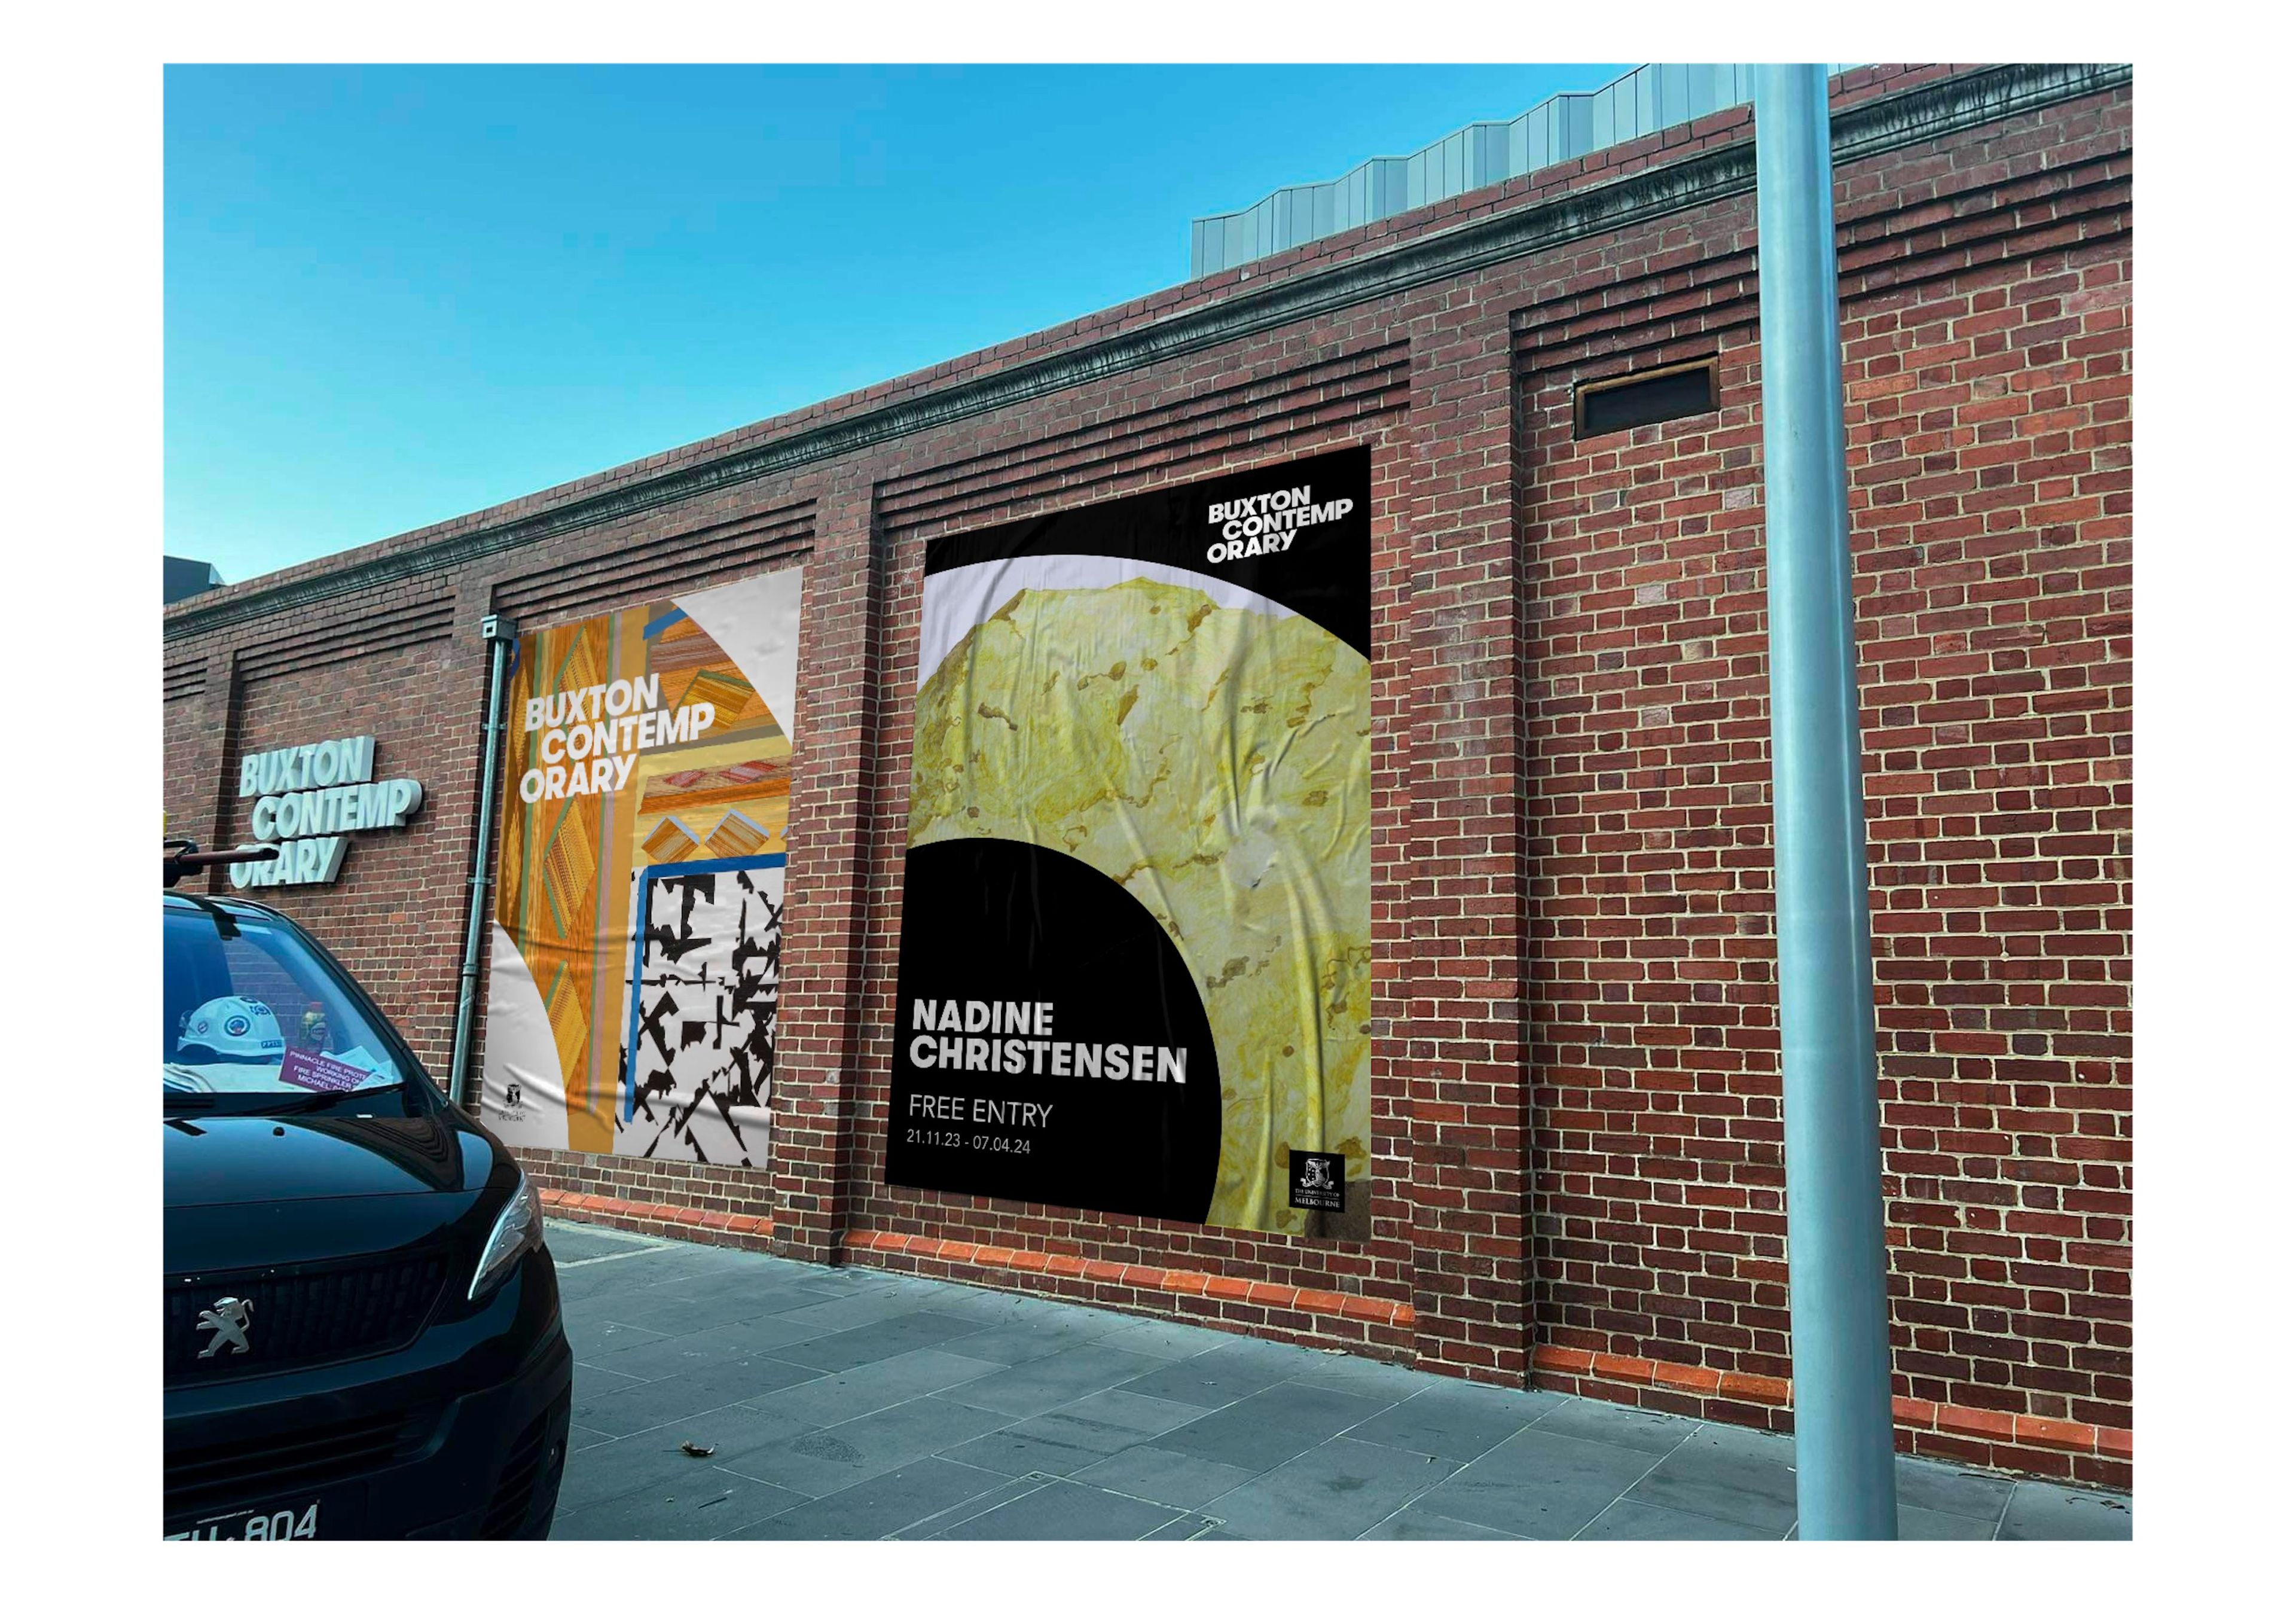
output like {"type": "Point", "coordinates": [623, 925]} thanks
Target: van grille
{"type": "Point", "coordinates": [302, 1317]}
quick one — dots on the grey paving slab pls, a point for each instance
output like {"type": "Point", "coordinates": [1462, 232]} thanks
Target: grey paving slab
{"type": "Point", "coordinates": [1054, 1442]}
{"type": "Point", "coordinates": [603, 1472]}
{"type": "Point", "coordinates": [867, 1388]}
{"type": "Point", "coordinates": [979, 1292]}
{"type": "Point", "coordinates": [1338, 1490]}
{"type": "Point", "coordinates": [684, 1316]}
{"type": "Point", "coordinates": [595, 1340]}
{"type": "Point", "coordinates": [708, 1507]}
{"type": "Point", "coordinates": [607, 1253]}
{"type": "Point", "coordinates": [1538, 1484]}
{"type": "Point", "coordinates": [1163, 1339]}
{"type": "Point", "coordinates": [817, 1292]}
{"type": "Point", "coordinates": [1233, 1370]}
{"type": "Point", "coordinates": [736, 1275]}
{"type": "Point", "coordinates": [1261, 1431]}
{"type": "Point", "coordinates": [662, 1357]}
{"type": "Point", "coordinates": [833, 1457]}
{"type": "Point", "coordinates": [600, 1265]}
{"type": "Point", "coordinates": [1952, 1489]}
{"type": "Point", "coordinates": [693, 1392]}
{"type": "Point", "coordinates": [595, 1475]}
{"type": "Point", "coordinates": [654, 1457]}
{"type": "Point", "coordinates": [596, 1296]}
{"type": "Point", "coordinates": [979, 1504]}
{"type": "Point", "coordinates": [1037, 1384]}
{"type": "Point", "coordinates": [1460, 1422]}
{"type": "Point", "coordinates": [592, 1238]}
{"type": "Point", "coordinates": [986, 1301]}
{"type": "Point", "coordinates": [1726, 1473]}
{"type": "Point", "coordinates": [1770, 1447]}
{"type": "Point", "coordinates": [705, 1269]}
{"type": "Point", "coordinates": [1369, 1377]}
{"type": "Point", "coordinates": [1161, 1476]}
{"type": "Point", "coordinates": [613, 1292]}
{"type": "Point", "coordinates": [1643, 1430]}
{"type": "Point", "coordinates": [1048, 1314]}
{"type": "Point", "coordinates": [2040, 1513]}
{"type": "Point", "coordinates": [1118, 1406]}
{"type": "Point", "coordinates": [1295, 1360]}
{"type": "Point", "coordinates": [880, 1505]}
{"type": "Point", "coordinates": [1010, 1342]}
{"type": "Point", "coordinates": [1412, 1524]}
{"type": "Point", "coordinates": [596, 1380]}
{"type": "Point", "coordinates": [854, 1345]}
{"type": "Point", "coordinates": [592, 1388]}
{"type": "Point", "coordinates": [1182, 1528]}
{"type": "Point", "coordinates": [643, 1270]}
{"type": "Point", "coordinates": [1626, 1521]}
{"type": "Point", "coordinates": [868, 1307]}
{"type": "Point", "coordinates": [801, 1304]}
{"type": "Point", "coordinates": [1062, 1510]}
{"type": "Point", "coordinates": [1917, 1524]}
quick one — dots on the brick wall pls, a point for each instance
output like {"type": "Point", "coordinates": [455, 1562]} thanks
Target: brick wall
{"type": "Point", "coordinates": [1576, 1173]}
{"type": "Point", "coordinates": [1989, 444]}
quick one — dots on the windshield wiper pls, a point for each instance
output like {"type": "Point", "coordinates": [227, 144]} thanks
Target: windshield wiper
{"type": "Point", "coordinates": [317, 1101]}
{"type": "Point", "coordinates": [310, 1102]}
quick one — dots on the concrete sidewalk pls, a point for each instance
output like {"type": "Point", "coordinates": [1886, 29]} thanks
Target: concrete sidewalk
{"type": "Point", "coordinates": [856, 1404]}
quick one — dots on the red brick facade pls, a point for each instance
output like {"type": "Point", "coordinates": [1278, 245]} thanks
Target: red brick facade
{"type": "Point", "coordinates": [1577, 1165]}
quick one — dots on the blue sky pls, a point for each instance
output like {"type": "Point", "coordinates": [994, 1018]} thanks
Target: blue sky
{"type": "Point", "coordinates": [394, 295]}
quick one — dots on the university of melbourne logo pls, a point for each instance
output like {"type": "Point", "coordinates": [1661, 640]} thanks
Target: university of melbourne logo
{"type": "Point", "coordinates": [1318, 1181]}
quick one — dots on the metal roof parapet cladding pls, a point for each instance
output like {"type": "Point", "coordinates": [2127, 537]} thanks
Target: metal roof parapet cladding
{"type": "Point", "coordinates": [1561, 128]}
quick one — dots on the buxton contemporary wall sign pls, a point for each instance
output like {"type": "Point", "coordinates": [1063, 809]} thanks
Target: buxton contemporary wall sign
{"type": "Point", "coordinates": [309, 800]}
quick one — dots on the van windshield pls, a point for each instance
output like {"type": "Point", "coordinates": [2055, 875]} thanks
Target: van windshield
{"type": "Point", "coordinates": [251, 1017]}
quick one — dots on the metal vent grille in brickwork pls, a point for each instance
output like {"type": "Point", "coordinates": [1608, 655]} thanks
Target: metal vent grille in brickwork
{"type": "Point", "coordinates": [683, 560]}
{"type": "Point", "coordinates": [1320, 398]}
{"type": "Point", "coordinates": [1662, 394]}
{"type": "Point", "coordinates": [1564, 128]}
{"type": "Point", "coordinates": [179, 681]}
{"type": "Point", "coordinates": [322, 641]}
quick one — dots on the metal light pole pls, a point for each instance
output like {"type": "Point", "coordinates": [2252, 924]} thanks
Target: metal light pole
{"type": "Point", "coordinates": [1846, 1471]}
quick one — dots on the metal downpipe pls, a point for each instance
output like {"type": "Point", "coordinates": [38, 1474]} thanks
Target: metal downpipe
{"type": "Point", "coordinates": [497, 633]}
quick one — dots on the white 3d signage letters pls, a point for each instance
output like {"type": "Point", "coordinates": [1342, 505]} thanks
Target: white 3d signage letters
{"type": "Point", "coordinates": [309, 799]}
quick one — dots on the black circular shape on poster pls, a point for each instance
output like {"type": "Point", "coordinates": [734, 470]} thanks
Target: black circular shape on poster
{"type": "Point", "coordinates": [1004, 922]}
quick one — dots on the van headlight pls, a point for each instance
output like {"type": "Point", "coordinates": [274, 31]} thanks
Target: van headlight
{"type": "Point", "coordinates": [518, 1228]}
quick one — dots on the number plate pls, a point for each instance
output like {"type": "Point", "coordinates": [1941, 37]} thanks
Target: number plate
{"type": "Point", "coordinates": [296, 1520]}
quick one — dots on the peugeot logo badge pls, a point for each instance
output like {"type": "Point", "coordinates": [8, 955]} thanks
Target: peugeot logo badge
{"type": "Point", "coordinates": [228, 1320]}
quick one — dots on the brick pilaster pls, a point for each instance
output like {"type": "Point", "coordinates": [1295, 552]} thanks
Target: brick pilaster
{"type": "Point", "coordinates": [822, 1015]}
{"type": "Point", "coordinates": [1466, 1065]}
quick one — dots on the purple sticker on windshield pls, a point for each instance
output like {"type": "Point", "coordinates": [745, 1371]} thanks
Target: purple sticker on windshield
{"type": "Point", "coordinates": [313, 1072]}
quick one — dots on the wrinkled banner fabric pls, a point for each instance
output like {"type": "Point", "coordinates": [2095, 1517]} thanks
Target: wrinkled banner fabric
{"type": "Point", "coordinates": [635, 966]}
{"type": "Point", "coordinates": [1136, 926]}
